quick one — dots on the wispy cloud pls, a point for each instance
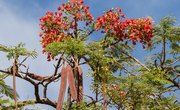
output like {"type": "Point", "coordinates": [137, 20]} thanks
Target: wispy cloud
{"type": "Point", "coordinates": [14, 29]}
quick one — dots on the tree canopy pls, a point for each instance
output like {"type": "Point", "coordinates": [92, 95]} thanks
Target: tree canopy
{"type": "Point", "coordinates": [120, 80]}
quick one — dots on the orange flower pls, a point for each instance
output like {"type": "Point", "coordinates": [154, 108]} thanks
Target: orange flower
{"type": "Point", "coordinates": [135, 30]}
{"type": "Point", "coordinates": [56, 25]}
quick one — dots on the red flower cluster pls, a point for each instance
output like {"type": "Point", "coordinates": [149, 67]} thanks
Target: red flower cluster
{"type": "Point", "coordinates": [77, 10]}
{"type": "Point", "coordinates": [139, 30]}
{"type": "Point", "coordinates": [135, 30]}
{"type": "Point", "coordinates": [111, 24]}
{"type": "Point", "coordinates": [116, 87]}
{"type": "Point", "coordinates": [57, 26]}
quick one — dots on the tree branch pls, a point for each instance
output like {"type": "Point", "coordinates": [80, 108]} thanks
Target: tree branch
{"type": "Point", "coordinates": [30, 102]}
{"type": "Point", "coordinates": [36, 88]}
{"type": "Point", "coordinates": [58, 64]}
{"type": "Point", "coordinates": [163, 53]}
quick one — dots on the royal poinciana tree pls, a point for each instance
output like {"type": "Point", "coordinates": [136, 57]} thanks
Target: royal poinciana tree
{"type": "Point", "coordinates": [119, 79]}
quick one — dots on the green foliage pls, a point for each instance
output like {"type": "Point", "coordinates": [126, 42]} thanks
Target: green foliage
{"type": "Point", "coordinates": [166, 30]}
{"type": "Point", "coordinates": [146, 86]}
{"type": "Point", "coordinates": [5, 89]}
{"type": "Point", "coordinates": [70, 46]}
{"type": "Point", "coordinates": [17, 51]}
{"type": "Point", "coordinates": [4, 102]}
{"type": "Point", "coordinates": [12, 52]}
{"type": "Point", "coordinates": [84, 106]}
{"type": "Point", "coordinates": [142, 92]}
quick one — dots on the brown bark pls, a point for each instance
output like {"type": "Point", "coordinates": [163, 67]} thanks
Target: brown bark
{"type": "Point", "coordinates": [15, 70]}
{"type": "Point", "coordinates": [80, 85]}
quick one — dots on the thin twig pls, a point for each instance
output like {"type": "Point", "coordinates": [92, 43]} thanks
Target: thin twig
{"type": "Point", "coordinates": [136, 60]}
{"type": "Point", "coordinates": [163, 54]}
{"type": "Point", "coordinates": [58, 64]}
{"type": "Point", "coordinates": [174, 62]}
{"type": "Point", "coordinates": [21, 63]}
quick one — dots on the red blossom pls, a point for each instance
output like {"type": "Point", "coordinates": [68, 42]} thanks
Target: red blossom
{"type": "Point", "coordinates": [122, 93]}
{"type": "Point", "coordinates": [56, 26]}
{"type": "Point", "coordinates": [135, 30]}
{"type": "Point", "coordinates": [59, 8]}
{"type": "Point", "coordinates": [116, 87]}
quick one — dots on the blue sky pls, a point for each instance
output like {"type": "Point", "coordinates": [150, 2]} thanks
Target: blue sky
{"type": "Point", "coordinates": [19, 22]}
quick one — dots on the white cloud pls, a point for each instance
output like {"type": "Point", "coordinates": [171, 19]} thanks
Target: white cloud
{"type": "Point", "coordinates": [13, 30]}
